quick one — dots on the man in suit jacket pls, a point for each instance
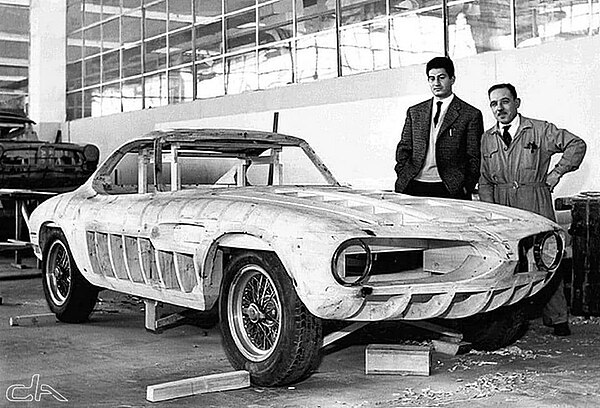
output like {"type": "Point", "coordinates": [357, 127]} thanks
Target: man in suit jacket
{"type": "Point", "coordinates": [438, 154]}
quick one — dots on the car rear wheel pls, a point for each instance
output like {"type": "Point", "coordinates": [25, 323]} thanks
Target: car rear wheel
{"type": "Point", "coordinates": [266, 329]}
{"type": "Point", "coordinates": [68, 294]}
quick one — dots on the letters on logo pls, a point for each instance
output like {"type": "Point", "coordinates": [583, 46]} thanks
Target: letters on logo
{"type": "Point", "coordinates": [32, 392]}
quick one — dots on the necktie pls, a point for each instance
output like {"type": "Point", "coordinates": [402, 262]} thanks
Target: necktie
{"type": "Point", "coordinates": [506, 136]}
{"type": "Point", "coordinates": [437, 114]}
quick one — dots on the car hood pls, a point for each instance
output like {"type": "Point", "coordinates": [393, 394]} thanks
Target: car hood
{"type": "Point", "coordinates": [381, 209]}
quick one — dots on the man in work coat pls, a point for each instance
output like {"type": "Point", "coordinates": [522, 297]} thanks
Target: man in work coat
{"type": "Point", "coordinates": [438, 154]}
{"type": "Point", "coordinates": [515, 158]}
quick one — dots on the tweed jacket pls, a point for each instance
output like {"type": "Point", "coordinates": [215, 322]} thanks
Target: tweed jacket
{"type": "Point", "coordinates": [457, 153]}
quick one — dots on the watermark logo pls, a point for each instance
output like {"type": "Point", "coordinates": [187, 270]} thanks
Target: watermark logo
{"type": "Point", "coordinates": [32, 392]}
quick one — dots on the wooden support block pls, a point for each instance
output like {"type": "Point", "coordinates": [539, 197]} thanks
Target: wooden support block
{"type": "Point", "coordinates": [436, 328]}
{"type": "Point", "coordinates": [397, 359]}
{"type": "Point", "coordinates": [169, 320]}
{"type": "Point", "coordinates": [198, 385]}
{"type": "Point", "coordinates": [331, 337]}
{"type": "Point", "coordinates": [450, 345]}
{"type": "Point", "coordinates": [32, 320]}
{"type": "Point", "coordinates": [150, 314]}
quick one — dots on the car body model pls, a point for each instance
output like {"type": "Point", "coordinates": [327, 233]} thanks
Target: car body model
{"type": "Point", "coordinates": [29, 163]}
{"type": "Point", "coordinates": [255, 224]}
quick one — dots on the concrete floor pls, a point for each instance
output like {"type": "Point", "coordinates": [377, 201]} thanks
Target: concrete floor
{"type": "Point", "coordinates": [110, 361]}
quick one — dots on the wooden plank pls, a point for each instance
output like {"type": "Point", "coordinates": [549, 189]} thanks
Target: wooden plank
{"type": "Point", "coordinates": [198, 385]}
{"type": "Point", "coordinates": [450, 345]}
{"type": "Point", "coordinates": [150, 314]}
{"type": "Point", "coordinates": [397, 359]}
{"type": "Point", "coordinates": [335, 336]}
{"type": "Point", "coordinates": [434, 328]}
{"type": "Point", "coordinates": [32, 320]}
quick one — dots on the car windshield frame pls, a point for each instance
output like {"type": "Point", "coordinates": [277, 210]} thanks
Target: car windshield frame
{"type": "Point", "coordinates": [166, 149]}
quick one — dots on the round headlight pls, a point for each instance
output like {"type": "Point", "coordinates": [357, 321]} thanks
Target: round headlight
{"type": "Point", "coordinates": [351, 262]}
{"type": "Point", "coordinates": [548, 250]}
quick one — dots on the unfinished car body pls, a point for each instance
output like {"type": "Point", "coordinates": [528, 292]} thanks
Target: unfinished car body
{"type": "Point", "coordinates": [28, 163]}
{"type": "Point", "coordinates": [255, 223]}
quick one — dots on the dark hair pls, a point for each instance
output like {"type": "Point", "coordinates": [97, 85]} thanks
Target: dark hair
{"type": "Point", "coordinates": [510, 88]}
{"type": "Point", "coordinates": [441, 62]}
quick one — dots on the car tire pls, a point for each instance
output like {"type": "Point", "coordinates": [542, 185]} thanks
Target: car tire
{"type": "Point", "coordinates": [496, 329]}
{"type": "Point", "coordinates": [68, 294]}
{"type": "Point", "coordinates": [266, 328]}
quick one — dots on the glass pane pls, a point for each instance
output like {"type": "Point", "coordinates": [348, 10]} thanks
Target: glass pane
{"type": "Point", "coordinates": [275, 67]}
{"type": "Point", "coordinates": [91, 71]}
{"type": "Point", "coordinates": [156, 19]}
{"type": "Point", "coordinates": [180, 14]}
{"type": "Point", "coordinates": [156, 90]}
{"type": "Point", "coordinates": [14, 49]}
{"type": "Point", "coordinates": [130, 4]}
{"type": "Point", "coordinates": [241, 73]}
{"type": "Point", "coordinates": [92, 103]}
{"type": "Point", "coordinates": [110, 8]}
{"type": "Point", "coordinates": [14, 20]}
{"type": "Point", "coordinates": [132, 61]}
{"type": "Point", "coordinates": [132, 95]}
{"type": "Point", "coordinates": [364, 48]}
{"type": "Point", "coordinates": [416, 35]}
{"type": "Point", "coordinates": [465, 22]}
{"type": "Point", "coordinates": [210, 79]}
{"type": "Point", "coordinates": [93, 11]}
{"type": "Point", "coordinates": [92, 38]}
{"type": "Point", "coordinates": [315, 16]}
{"type": "Point", "coordinates": [206, 9]}
{"type": "Point", "coordinates": [316, 57]}
{"type": "Point", "coordinates": [181, 82]}
{"type": "Point", "coordinates": [110, 66]}
{"type": "Point", "coordinates": [233, 5]}
{"type": "Point", "coordinates": [241, 31]}
{"type": "Point", "coordinates": [180, 48]}
{"type": "Point", "coordinates": [155, 56]}
{"type": "Point", "coordinates": [357, 11]}
{"type": "Point", "coordinates": [275, 21]}
{"type": "Point", "coordinates": [208, 40]}
{"type": "Point", "coordinates": [542, 21]}
{"type": "Point", "coordinates": [74, 16]}
{"type": "Point", "coordinates": [74, 76]}
{"type": "Point", "coordinates": [490, 25]}
{"type": "Point", "coordinates": [131, 27]}
{"type": "Point", "coordinates": [111, 99]}
{"type": "Point", "coordinates": [74, 47]}
{"type": "Point", "coordinates": [110, 35]}
{"type": "Point", "coordinates": [74, 105]}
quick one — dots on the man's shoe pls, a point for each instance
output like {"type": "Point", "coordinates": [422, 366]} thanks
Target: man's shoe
{"type": "Point", "coordinates": [562, 329]}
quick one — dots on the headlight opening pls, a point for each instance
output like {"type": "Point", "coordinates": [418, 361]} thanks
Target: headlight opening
{"type": "Point", "coordinates": [548, 250]}
{"type": "Point", "coordinates": [352, 262]}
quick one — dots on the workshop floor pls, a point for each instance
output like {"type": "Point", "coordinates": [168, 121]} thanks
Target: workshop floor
{"type": "Point", "coordinates": [110, 361]}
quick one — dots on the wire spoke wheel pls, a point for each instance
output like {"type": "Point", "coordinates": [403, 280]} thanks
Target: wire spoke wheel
{"type": "Point", "coordinates": [254, 313]}
{"type": "Point", "coordinates": [68, 294]}
{"type": "Point", "coordinates": [59, 273]}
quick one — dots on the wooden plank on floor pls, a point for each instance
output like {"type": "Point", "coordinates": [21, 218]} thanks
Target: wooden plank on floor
{"type": "Point", "coordinates": [450, 345]}
{"type": "Point", "coordinates": [336, 335]}
{"type": "Point", "coordinates": [198, 385]}
{"type": "Point", "coordinates": [436, 328]}
{"type": "Point", "coordinates": [397, 359]}
{"type": "Point", "coordinates": [32, 320]}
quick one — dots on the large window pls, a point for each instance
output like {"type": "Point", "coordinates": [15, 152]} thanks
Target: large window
{"type": "Point", "coordinates": [125, 55]}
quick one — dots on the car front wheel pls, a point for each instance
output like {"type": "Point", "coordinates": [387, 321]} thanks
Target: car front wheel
{"type": "Point", "coordinates": [68, 294]}
{"type": "Point", "coordinates": [266, 329]}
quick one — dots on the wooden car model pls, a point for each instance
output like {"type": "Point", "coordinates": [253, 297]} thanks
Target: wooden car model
{"type": "Point", "coordinates": [255, 224]}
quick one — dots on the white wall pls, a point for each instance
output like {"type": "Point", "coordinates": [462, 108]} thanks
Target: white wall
{"type": "Point", "coordinates": [354, 123]}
